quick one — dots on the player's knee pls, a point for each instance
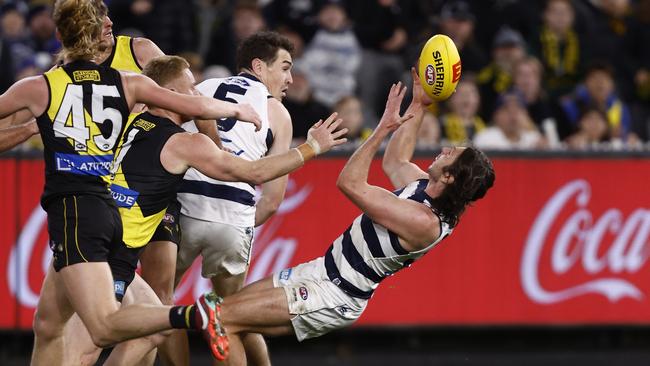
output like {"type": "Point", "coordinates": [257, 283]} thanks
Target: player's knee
{"type": "Point", "coordinates": [45, 328]}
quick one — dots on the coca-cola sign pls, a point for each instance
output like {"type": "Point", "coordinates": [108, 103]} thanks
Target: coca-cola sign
{"type": "Point", "coordinates": [555, 241]}
{"type": "Point", "coordinates": [579, 241]}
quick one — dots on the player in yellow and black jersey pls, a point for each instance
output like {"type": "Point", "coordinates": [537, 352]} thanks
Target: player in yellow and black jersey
{"type": "Point", "coordinates": [140, 184]}
{"type": "Point", "coordinates": [81, 109]}
{"type": "Point", "coordinates": [80, 127]}
{"type": "Point", "coordinates": [144, 191]}
{"type": "Point", "coordinates": [123, 57]}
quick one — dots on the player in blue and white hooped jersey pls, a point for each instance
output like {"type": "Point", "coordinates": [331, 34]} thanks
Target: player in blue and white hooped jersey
{"type": "Point", "coordinates": [395, 229]}
{"type": "Point", "coordinates": [218, 218]}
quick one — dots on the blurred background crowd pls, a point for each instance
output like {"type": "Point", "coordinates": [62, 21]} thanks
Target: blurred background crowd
{"type": "Point", "coordinates": [537, 74]}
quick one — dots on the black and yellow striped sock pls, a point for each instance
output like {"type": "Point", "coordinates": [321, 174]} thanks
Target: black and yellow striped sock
{"type": "Point", "coordinates": [183, 317]}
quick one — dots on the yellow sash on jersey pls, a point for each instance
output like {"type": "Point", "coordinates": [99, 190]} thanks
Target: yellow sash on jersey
{"type": "Point", "coordinates": [137, 228]}
{"type": "Point", "coordinates": [124, 58]}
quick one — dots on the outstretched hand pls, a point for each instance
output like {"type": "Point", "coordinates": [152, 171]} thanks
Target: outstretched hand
{"type": "Point", "coordinates": [246, 113]}
{"type": "Point", "coordinates": [419, 96]}
{"type": "Point", "coordinates": [391, 120]}
{"type": "Point", "coordinates": [323, 135]}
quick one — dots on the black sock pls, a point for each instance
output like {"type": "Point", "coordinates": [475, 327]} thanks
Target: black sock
{"type": "Point", "coordinates": [183, 317]}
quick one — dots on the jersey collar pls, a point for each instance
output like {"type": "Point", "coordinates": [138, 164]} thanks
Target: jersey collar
{"type": "Point", "coordinates": [249, 76]}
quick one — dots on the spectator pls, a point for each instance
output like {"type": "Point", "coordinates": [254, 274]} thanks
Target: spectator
{"type": "Point", "coordinates": [14, 33]}
{"type": "Point", "coordinates": [592, 132]}
{"type": "Point", "coordinates": [457, 22]}
{"type": "Point", "coordinates": [246, 20]}
{"type": "Point", "coordinates": [42, 29]}
{"type": "Point", "coordinates": [528, 83]}
{"type": "Point", "coordinates": [609, 34]}
{"type": "Point", "coordinates": [380, 29]}
{"type": "Point", "coordinates": [302, 107]}
{"type": "Point", "coordinates": [560, 48]}
{"type": "Point", "coordinates": [333, 56]}
{"type": "Point", "coordinates": [296, 39]}
{"type": "Point", "coordinates": [511, 128]}
{"type": "Point", "coordinates": [642, 75]}
{"type": "Point", "coordinates": [508, 48]}
{"type": "Point", "coordinates": [350, 111]}
{"type": "Point", "coordinates": [598, 91]}
{"type": "Point", "coordinates": [169, 24]}
{"type": "Point", "coordinates": [299, 16]}
{"type": "Point", "coordinates": [462, 122]}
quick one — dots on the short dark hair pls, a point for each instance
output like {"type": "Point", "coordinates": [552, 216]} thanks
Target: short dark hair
{"type": "Point", "coordinates": [473, 176]}
{"type": "Point", "coordinates": [599, 66]}
{"type": "Point", "coordinates": [262, 45]}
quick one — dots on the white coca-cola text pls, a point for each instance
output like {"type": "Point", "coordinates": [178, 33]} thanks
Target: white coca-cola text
{"type": "Point", "coordinates": [580, 242]}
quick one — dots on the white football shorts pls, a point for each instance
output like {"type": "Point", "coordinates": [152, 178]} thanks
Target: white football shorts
{"type": "Point", "coordinates": [319, 305]}
{"type": "Point", "coordinates": [225, 248]}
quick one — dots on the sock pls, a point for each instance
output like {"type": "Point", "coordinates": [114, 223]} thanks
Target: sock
{"type": "Point", "coordinates": [184, 317]}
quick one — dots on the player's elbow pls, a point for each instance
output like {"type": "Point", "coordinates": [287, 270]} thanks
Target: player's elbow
{"type": "Point", "coordinates": [345, 184]}
{"type": "Point", "coordinates": [256, 176]}
{"type": "Point", "coordinates": [387, 165]}
{"type": "Point", "coordinates": [390, 164]}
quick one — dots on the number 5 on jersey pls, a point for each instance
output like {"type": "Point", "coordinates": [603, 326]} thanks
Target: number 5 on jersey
{"type": "Point", "coordinates": [71, 121]}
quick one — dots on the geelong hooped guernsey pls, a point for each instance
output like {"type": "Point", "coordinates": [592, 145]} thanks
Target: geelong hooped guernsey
{"type": "Point", "coordinates": [123, 57]}
{"type": "Point", "coordinates": [367, 252]}
{"type": "Point", "coordinates": [232, 203]}
{"type": "Point", "coordinates": [81, 126]}
{"type": "Point", "coordinates": [141, 186]}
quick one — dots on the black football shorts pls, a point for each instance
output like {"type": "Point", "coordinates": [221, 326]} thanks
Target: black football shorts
{"type": "Point", "coordinates": [82, 228]}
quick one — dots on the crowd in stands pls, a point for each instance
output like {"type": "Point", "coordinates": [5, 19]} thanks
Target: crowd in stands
{"type": "Point", "coordinates": [537, 74]}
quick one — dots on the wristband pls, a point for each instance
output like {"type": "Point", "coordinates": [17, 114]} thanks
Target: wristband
{"type": "Point", "coordinates": [306, 151]}
{"type": "Point", "coordinates": [314, 144]}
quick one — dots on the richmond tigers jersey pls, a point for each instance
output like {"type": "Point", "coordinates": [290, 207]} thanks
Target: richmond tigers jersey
{"type": "Point", "coordinates": [123, 57]}
{"type": "Point", "coordinates": [81, 126]}
{"type": "Point", "coordinates": [233, 203]}
{"type": "Point", "coordinates": [141, 186]}
{"type": "Point", "coordinates": [367, 252]}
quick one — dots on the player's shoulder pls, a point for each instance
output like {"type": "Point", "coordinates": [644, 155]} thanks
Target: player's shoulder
{"type": "Point", "coordinates": [144, 50]}
{"type": "Point", "coordinates": [188, 142]}
{"type": "Point", "coordinates": [278, 110]}
{"type": "Point", "coordinates": [209, 86]}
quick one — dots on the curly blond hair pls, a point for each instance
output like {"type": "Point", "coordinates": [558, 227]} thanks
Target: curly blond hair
{"type": "Point", "coordinates": [79, 23]}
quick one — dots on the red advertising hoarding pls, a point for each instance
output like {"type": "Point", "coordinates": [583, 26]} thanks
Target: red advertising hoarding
{"type": "Point", "coordinates": [556, 241]}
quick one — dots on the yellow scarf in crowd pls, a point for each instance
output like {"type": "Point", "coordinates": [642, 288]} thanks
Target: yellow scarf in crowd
{"type": "Point", "coordinates": [455, 130]}
{"type": "Point", "coordinates": [560, 61]}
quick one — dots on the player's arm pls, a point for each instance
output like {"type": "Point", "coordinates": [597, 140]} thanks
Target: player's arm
{"type": "Point", "coordinates": [411, 221]}
{"type": "Point", "coordinates": [184, 150]}
{"type": "Point", "coordinates": [397, 157]}
{"type": "Point", "coordinates": [12, 136]}
{"type": "Point", "coordinates": [29, 94]}
{"type": "Point", "coordinates": [208, 127]}
{"type": "Point", "coordinates": [141, 89]}
{"type": "Point", "coordinates": [145, 50]}
{"type": "Point", "coordinates": [273, 191]}
{"type": "Point", "coordinates": [16, 119]}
